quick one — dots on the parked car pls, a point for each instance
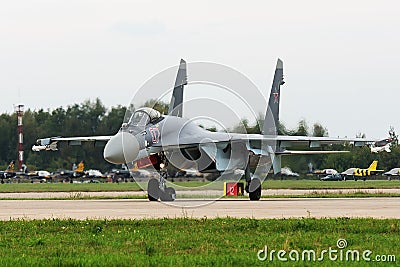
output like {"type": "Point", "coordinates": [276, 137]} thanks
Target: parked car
{"type": "Point", "coordinates": [94, 174]}
{"type": "Point", "coordinates": [62, 173]}
{"type": "Point", "coordinates": [141, 173]}
{"type": "Point", "coordinates": [286, 171]}
{"type": "Point", "coordinates": [332, 177]}
{"type": "Point", "coordinates": [120, 173]}
{"type": "Point", "coordinates": [91, 181]}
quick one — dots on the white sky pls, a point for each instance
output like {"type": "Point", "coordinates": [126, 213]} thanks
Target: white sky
{"type": "Point", "coordinates": [341, 58]}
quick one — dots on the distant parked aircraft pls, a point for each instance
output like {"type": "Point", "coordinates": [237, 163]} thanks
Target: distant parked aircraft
{"type": "Point", "coordinates": [9, 172]}
{"type": "Point", "coordinates": [395, 172]}
{"type": "Point", "coordinates": [383, 145]}
{"type": "Point", "coordinates": [357, 172]}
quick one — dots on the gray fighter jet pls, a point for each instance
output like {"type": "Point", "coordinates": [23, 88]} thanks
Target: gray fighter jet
{"type": "Point", "coordinates": [170, 140]}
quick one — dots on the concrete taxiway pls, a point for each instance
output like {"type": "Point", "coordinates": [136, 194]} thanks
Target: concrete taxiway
{"type": "Point", "coordinates": [199, 208]}
{"type": "Point", "coordinates": [193, 193]}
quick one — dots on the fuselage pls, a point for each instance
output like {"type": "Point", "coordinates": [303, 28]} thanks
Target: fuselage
{"type": "Point", "coordinates": [183, 142]}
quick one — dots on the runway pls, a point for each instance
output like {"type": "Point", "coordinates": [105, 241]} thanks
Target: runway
{"type": "Point", "coordinates": [237, 208]}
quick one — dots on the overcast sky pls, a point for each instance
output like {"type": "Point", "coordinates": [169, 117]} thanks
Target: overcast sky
{"type": "Point", "coordinates": [341, 58]}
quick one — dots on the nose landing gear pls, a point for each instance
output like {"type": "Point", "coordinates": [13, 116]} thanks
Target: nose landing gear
{"type": "Point", "coordinates": [157, 189]}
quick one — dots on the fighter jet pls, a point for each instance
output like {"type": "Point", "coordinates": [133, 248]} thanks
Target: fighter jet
{"type": "Point", "coordinates": [395, 172]}
{"type": "Point", "coordinates": [363, 173]}
{"type": "Point", "coordinates": [173, 141]}
{"type": "Point", "coordinates": [9, 172]}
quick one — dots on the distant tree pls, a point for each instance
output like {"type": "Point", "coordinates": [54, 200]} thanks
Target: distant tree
{"type": "Point", "coordinates": [282, 130]}
{"type": "Point", "coordinates": [7, 138]}
{"type": "Point", "coordinates": [93, 118]}
{"type": "Point", "coordinates": [112, 120]}
{"type": "Point", "coordinates": [319, 130]}
{"type": "Point", "coordinates": [302, 128]}
{"type": "Point", "coordinates": [241, 127]}
{"type": "Point", "coordinates": [361, 135]}
{"type": "Point", "coordinates": [394, 137]}
{"type": "Point", "coordinates": [158, 105]}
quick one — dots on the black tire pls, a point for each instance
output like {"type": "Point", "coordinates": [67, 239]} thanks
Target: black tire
{"type": "Point", "coordinates": [255, 189]}
{"type": "Point", "coordinates": [169, 194]}
{"type": "Point", "coordinates": [153, 191]}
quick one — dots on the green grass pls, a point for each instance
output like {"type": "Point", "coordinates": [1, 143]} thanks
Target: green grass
{"type": "Point", "coordinates": [67, 187]}
{"type": "Point", "coordinates": [268, 184]}
{"type": "Point", "coordinates": [188, 242]}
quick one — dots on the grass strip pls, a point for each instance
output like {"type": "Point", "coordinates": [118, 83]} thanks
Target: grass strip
{"type": "Point", "coordinates": [122, 187]}
{"type": "Point", "coordinates": [190, 242]}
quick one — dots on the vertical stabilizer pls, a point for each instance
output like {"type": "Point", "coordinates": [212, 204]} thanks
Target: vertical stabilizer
{"type": "Point", "coordinates": [271, 120]}
{"type": "Point", "coordinates": [373, 166]}
{"type": "Point", "coordinates": [176, 105]}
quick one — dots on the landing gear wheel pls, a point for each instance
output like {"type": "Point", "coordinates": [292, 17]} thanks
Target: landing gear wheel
{"type": "Point", "coordinates": [169, 194]}
{"type": "Point", "coordinates": [153, 191]}
{"type": "Point", "coordinates": [255, 189]}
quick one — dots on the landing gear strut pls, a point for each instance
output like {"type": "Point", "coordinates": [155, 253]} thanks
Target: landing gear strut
{"type": "Point", "coordinates": [253, 185]}
{"type": "Point", "coordinates": [255, 189]}
{"type": "Point", "coordinates": [153, 190]}
{"type": "Point", "coordinates": [157, 189]}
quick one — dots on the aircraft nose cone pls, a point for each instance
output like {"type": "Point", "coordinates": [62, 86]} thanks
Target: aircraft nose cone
{"type": "Point", "coordinates": [121, 148]}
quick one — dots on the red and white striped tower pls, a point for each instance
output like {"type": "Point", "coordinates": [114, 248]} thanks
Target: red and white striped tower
{"type": "Point", "coordinates": [19, 109]}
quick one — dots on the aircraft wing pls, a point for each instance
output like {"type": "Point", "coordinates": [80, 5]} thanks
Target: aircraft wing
{"type": "Point", "coordinates": [51, 142]}
{"type": "Point", "coordinates": [254, 140]}
{"type": "Point", "coordinates": [281, 143]}
{"type": "Point", "coordinates": [289, 141]}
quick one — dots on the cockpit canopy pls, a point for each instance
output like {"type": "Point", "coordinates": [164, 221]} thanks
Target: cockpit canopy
{"type": "Point", "coordinates": [143, 116]}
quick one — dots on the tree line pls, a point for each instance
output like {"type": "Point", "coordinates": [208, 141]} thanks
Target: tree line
{"type": "Point", "coordinates": [93, 118]}
{"type": "Point", "coordinates": [85, 119]}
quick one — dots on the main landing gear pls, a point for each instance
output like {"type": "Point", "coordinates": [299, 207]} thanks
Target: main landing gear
{"type": "Point", "coordinates": [253, 185]}
{"type": "Point", "coordinates": [157, 189]}
{"type": "Point", "coordinates": [254, 189]}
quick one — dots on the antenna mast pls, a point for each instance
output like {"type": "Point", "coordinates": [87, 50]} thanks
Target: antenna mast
{"type": "Point", "coordinates": [19, 109]}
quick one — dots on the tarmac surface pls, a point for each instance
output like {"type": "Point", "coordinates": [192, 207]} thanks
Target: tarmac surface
{"type": "Point", "coordinates": [200, 208]}
{"type": "Point", "coordinates": [191, 193]}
